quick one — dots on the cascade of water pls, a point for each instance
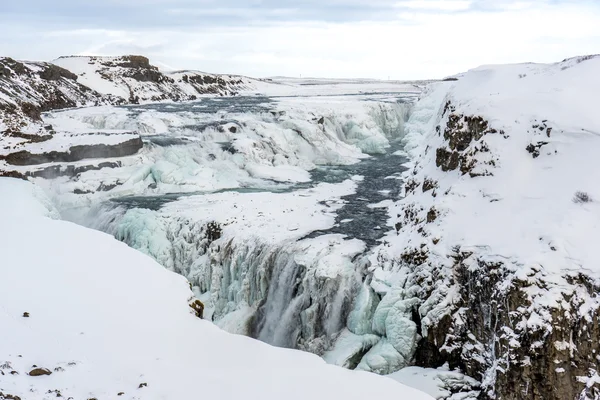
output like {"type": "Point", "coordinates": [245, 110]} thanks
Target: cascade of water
{"type": "Point", "coordinates": [281, 296]}
{"type": "Point", "coordinates": [280, 317]}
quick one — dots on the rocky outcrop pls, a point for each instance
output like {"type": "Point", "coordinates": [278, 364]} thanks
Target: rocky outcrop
{"type": "Point", "coordinates": [40, 371]}
{"type": "Point", "coordinates": [463, 135]}
{"type": "Point", "coordinates": [55, 171]}
{"type": "Point", "coordinates": [29, 88]}
{"type": "Point", "coordinates": [76, 153]}
{"type": "Point", "coordinates": [488, 333]}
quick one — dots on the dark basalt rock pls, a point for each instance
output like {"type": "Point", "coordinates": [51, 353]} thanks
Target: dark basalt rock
{"type": "Point", "coordinates": [213, 231]}
{"type": "Point", "coordinates": [429, 184]}
{"type": "Point", "coordinates": [76, 153]}
{"type": "Point", "coordinates": [462, 130]}
{"type": "Point", "coordinates": [150, 75]}
{"type": "Point", "coordinates": [7, 65]}
{"type": "Point", "coordinates": [484, 335]}
{"type": "Point", "coordinates": [54, 73]}
{"type": "Point", "coordinates": [428, 355]}
{"type": "Point", "coordinates": [534, 149]}
{"type": "Point", "coordinates": [7, 396]}
{"type": "Point", "coordinates": [133, 61]}
{"type": "Point", "coordinates": [432, 215]}
{"type": "Point", "coordinates": [32, 111]}
{"type": "Point", "coordinates": [463, 134]}
{"type": "Point", "coordinates": [447, 160]}
{"type": "Point", "coordinates": [30, 137]}
{"type": "Point", "coordinates": [12, 174]}
{"type": "Point", "coordinates": [55, 171]}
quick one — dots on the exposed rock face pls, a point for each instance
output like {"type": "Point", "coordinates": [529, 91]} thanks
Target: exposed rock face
{"type": "Point", "coordinates": [76, 153]}
{"type": "Point", "coordinates": [523, 332]}
{"type": "Point", "coordinates": [487, 335]}
{"type": "Point", "coordinates": [463, 135]}
{"type": "Point", "coordinates": [27, 90]}
{"type": "Point", "coordinates": [54, 73]}
{"type": "Point", "coordinates": [55, 171]}
{"type": "Point", "coordinates": [198, 307]}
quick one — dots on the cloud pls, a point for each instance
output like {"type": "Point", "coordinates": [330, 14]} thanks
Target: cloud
{"type": "Point", "coordinates": [436, 5]}
{"type": "Point", "coordinates": [406, 39]}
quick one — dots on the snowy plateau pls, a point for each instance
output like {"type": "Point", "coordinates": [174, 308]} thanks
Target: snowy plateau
{"type": "Point", "coordinates": [180, 234]}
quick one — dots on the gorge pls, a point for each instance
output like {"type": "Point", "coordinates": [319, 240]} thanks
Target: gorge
{"type": "Point", "coordinates": [398, 228]}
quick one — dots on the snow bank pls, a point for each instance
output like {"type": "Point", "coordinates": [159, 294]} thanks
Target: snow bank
{"type": "Point", "coordinates": [105, 319]}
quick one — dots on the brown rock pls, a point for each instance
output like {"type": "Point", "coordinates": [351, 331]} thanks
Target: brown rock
{"type": "Point", "coordinates": [39, 372]}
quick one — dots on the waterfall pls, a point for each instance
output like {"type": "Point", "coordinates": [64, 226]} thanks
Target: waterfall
{"type": "Point", "coordinates": [289, 293]}
{"type": "Point", "coordinates": [281, 312]}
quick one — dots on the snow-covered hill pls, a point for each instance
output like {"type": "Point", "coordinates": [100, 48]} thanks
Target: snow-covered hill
{"type": "Point", "coordinates": [134, 79]}
{"type": "Point", "coordinates": [84, 316]}
{"type": "Point", "coordinates": [29, 88]}
{"type": "Point", "coordinates": [494, 245]}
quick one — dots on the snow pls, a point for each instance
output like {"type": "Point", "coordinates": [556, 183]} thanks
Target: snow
{"type": "Point", "coordinates": [525, 211]}
{"type": "Point", "coordinates": [436, 382]}
{"type": "Point", "coordinates": [516, 209]}
{"type": "Point", "coordinates": [88, 76]}
{"type": "Point", "coordinates": [311, 87]}
{"type": "Point", "coordinates": [272, 217]}
{"type": "Point", "coordinates": [107, 319]}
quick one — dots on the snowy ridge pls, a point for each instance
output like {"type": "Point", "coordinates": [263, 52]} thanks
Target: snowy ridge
{"type": "Point", "coordinates": [492, 248]}
{"type": "Point", "coordinates": [91, 325]}
{"type": "Point", "coordinates": [134, 79]}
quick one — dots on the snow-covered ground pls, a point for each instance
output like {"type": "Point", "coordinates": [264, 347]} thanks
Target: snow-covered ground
{"type": "Point", "coordinates": [106, 321]}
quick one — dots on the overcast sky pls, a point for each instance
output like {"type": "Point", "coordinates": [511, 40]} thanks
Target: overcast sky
{"type": "Point", "coordinates": [402, 39]}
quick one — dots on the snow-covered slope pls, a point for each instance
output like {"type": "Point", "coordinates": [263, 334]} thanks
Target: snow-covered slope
{"type": "Point", "coordinates": [84, 316]}
{"type": "Point", "coordinates": [133, 78]}
{"type": "Point", "coordinates": [495, 243]}
{"type": "Point", "coordinates": [29, 88]}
